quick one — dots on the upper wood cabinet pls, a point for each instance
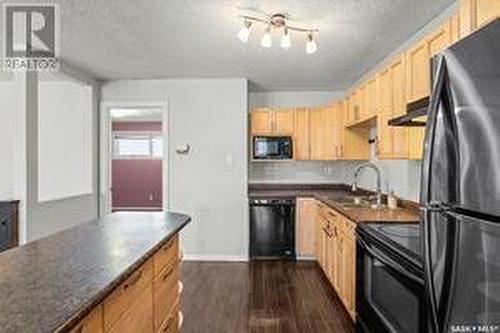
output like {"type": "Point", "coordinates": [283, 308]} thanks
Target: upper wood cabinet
{"type": "Point", "coordinates": [302, 134]}
{"type": "Point", "coordinates": [417, 71]}
{"type": "Point", "coordinates": [475, 13]}
{"type": "Point", "coordinates": [369, 103]}
{"type": "Point", "coordinates": [269, 121]}
{"type": "Point", "coordinates": [339, 137]}
{"type": "Point", "coordinates": [261, 122]}
{"type": "Point", "coordinates": [392, 141]}
{"type": "Point", "coordinates": [283, 121]}
{"type": "Point", "coordinates": [323, 133]}
{"type": "Point", "coordinates": [418, 60]}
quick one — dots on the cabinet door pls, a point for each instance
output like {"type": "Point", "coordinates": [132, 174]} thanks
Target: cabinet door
{"type": "Point", "coordinates": [302, 132]}
{"type": "Point", "coordinates": [339, 122]}
{"type": "Point", "coordinates": [370, 104]}
{"type": "Point", "coordinates": [261, 121]}
{"type": "Point", "coordinates": [341, 266]}
{"type": "Point", "coordinates": [418, 71]}
{"type": "Point", "coordinates": [455, 27]}
{"type": "Point", "coordinates": [399, 134]}
{"type": "Point", "coordinates": [384, 132]}
{"type": "Point", "coordinates": [485, 10]}
{"type": "Point", "coordinates": [306, 217]}
{"type": "Point", "coordinates": [439, 39]}
{"type": "Point", "coordinates": [92, 323]}
{"type": "Point", "coordinates": [322, 133]}
{"type": "Point", "coordinates": [283, 123]}
{"type": "Point", "coordinates": [349, 254]}
{"type": "Point", "coordinates": [139, 316]}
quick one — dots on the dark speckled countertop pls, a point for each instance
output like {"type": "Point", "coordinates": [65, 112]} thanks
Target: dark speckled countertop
{"type": "Point", "coordinates": [407, 212]}
{"type": "Point", "coordinates": [50, 284]}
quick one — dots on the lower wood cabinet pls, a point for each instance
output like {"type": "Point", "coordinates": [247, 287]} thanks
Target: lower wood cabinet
{"type": "Point", "coordinates": [307, 240]}
{"type": "Point", "coordinates": [336, 253]}
{"type": "Point", "coordinates": [147, 301]}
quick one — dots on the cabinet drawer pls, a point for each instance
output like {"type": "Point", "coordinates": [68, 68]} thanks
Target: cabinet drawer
{"type": "Point", "coordinates": [139, 315]}
{"type": "Point", "coordinates": [171, 323]}
{"type": "Point", "coordinates": [166, 292]}
{"type": "Point", "coordinates": [167, 254]}
{"type": "Point", "coordinates": [91, 324]}
{"type": "Point", "coordinates": [116, 304]}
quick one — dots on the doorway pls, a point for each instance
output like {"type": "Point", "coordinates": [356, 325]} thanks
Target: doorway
{"type": "Point", "coordinates": [135, 157]}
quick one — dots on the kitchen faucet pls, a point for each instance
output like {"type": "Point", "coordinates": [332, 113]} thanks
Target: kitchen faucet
{"type": "Point", "coordinates": [374, 167]}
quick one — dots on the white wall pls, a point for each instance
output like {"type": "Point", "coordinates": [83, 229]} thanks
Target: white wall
{"type": "Point", "coordinates": [210, 183]}
{"type": "Point", "coordinates": [291, 98]}
{"type": "Point", "coordinates": [7, 117]}
{"type": "Point", "coordinates": [64, 139]}
{"type": "Point", "coordinates": [39, 219]}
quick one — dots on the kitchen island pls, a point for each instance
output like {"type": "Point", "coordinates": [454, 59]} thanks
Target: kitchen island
{"type": "Point", "coordinates": [117, 273]}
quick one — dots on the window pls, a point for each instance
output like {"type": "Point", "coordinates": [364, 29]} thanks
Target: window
{"type": "Point", "coordinates": [137, 145]}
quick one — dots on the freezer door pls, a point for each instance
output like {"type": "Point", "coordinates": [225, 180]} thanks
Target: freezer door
{"type": "Point", "coordinates": [462, 148]}
{"type": "Point", "coordinates": [463, 269]}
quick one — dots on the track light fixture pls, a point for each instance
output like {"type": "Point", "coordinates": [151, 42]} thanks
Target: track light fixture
{"type": "Point", "coordinates": [277, 22]}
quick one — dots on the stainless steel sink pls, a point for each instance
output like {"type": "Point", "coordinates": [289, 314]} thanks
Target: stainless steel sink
{"type": "Point", "coordinates": [352, 202]}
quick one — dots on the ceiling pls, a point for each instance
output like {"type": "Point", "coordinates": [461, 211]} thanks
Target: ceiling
{"type": "Point", "coordinates": [115, 39]}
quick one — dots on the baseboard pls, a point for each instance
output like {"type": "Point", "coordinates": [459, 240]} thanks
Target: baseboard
{"type": "Point", "coordinates": [220, 258]}
{"type": "Point", "coordinates": [307, 258]}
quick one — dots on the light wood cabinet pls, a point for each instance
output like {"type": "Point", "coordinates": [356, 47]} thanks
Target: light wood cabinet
{"type": "Point", "coordinates": [301, 136]}
{"type": "Point", "coordinates": [284, 121]}
{"type": "Point", "coordinates": [139, 314]}
{"type": "Point", "coordinates": [417, 71]}
{"type": "Point", "coordinates": [322, 133]}
{"type": "Point", "coordinates": [92, 323]}
{"type": "Point", "coordinates": [392, 141]}
{"type": "Point", "coordinates": [147, 301]}
{"type": "Point", "coordinates": [475, 13]}
{"type": "Point", "coordinates": [306, 227]}
{"type": "Point", "coordinates": [272, 121]}
{"type": "Point", "coordinates": [119, 301]}
{"type": "Point", "coordinates": [370, 100]}
{"type": "Point", "coordinates": [336, 253]}
{"type": "Point", "coordinates": [339, 137]}
{"type": "Point", "coordinates": [261, 122]}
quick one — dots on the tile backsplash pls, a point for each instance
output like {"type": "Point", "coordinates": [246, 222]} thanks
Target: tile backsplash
{"type": "Point", "coordinates": [301, 172]}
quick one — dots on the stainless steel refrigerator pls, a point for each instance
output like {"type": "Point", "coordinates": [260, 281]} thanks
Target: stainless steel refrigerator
{"type": "Point", "coordinates": [460, 193]}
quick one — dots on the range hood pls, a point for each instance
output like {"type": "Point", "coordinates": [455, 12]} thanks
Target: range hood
{"type": "Point", "coordinates": [413, 110]}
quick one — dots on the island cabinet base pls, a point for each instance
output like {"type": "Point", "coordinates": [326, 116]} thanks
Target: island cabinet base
{"type": "Point", "coordinates": [148, 301]}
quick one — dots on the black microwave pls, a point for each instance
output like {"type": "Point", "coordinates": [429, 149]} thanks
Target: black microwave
{"type": "Point", "coordinates": [272, 148]}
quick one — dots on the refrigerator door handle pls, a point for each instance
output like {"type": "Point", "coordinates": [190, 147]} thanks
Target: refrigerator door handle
{"type": "Point", "coordinates": [438, 89]}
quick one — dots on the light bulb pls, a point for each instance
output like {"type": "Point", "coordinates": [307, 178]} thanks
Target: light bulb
{"type": "Point", "coordinates": [286, 40]}
{"type": "Point", "coordinates": [244, 33]}
{"type": "Point", "coordinates": [266, 40]}
{"type": "Point", "coordinates": [311, 46]}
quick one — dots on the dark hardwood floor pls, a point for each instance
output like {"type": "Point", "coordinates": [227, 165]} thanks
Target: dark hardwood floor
{"type": "Point", "coordinates": [270, 296]}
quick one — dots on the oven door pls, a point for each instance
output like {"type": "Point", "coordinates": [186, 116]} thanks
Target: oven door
{"type": "Point", "coordinates": [272, 147]}
{"type": "Point", "coordinates": [390, 296]}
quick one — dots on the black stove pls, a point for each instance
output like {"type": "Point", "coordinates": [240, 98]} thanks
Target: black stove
{"type": "Point", "coordinates": [404, 237]}
{"type": "Point", "coordinates": [390, 278]}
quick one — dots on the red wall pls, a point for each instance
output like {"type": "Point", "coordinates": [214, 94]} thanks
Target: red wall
{"type": "Point", "coordinates": [137, 126]}
{"type": "Point", "coordinates": [134, 181]}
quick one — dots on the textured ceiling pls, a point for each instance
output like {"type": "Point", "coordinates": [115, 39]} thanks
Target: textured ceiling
{"type": "Point", "coordinates": [113, 39]}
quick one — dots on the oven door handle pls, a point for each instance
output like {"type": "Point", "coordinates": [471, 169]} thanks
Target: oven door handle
{"type": "Point", "coordinates": [380, 256]}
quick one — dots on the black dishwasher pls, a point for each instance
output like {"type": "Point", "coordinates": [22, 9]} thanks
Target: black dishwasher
{"type": "Point", "coordinates": [272, 228]}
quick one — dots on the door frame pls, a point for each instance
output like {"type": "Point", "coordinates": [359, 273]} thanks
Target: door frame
{"type": "Point", "coordinates": [106, 151]}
